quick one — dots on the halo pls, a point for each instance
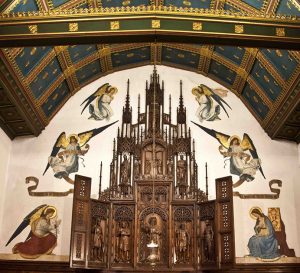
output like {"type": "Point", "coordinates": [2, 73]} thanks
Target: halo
{"type": "Point", "coordinates": [52, 208]}
{"type": "Point", "coordinates": [195, 91]}
{"type": "Point", "coordinates": [234, 137]}
{"type": "Point", "coordinates": [73, 135]}
{"type": "Point", "coordinates": [250, 211]}
{"type": "Point", "coordinates": [112, 90]}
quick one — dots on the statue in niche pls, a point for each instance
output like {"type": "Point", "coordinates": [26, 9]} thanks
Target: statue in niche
{"type": "Point", "coordinates": [98, 242]}
{"type": "Point", "coordinates": [124, 242]}
{"type": "Point", "coordinates": [154, 233]}
{"type": "Point", "coordinates": [148, 166]}
{"type": "Point", "coordinates": [125, 170]}
{"type": "Point", "coordinates": [170, 167]}
{"type": "Point", "coordinates": [208, 242]}
{"type": "Point", "coordinates": [182, 243]}
{"type": "Point", "coordinates": [159, 166]}
{"type": "Point", "coordinates": [181, 171]}
{"type": "Point", "coordinates": [137, 167]}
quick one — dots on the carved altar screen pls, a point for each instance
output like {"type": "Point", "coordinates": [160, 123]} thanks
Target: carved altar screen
{"type": "Point", "coordinates": [153, 196]}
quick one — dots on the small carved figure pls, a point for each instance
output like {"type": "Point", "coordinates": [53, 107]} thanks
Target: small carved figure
{"type": "Point", "coordinates": [137, 167]}
{"type": "Point", "coordinates": [170, 167]}
{"type": "Point", "coordinates": [208, 242]}
{"type": "Point", "coordinates": [148, 167]}
{"type": "Point", "coordinates": [154, 233]}
{"type": "Point", "coordinates": [182, 241]}
{"type": "Point", "coordinates": [98, 244]}
{"type": "Point", "coordinates": [181, 170]}
{"type": "Point", "coordinates": [159, 166]}
{"type": "Point", "coordinates": [124, 237]}
{"type": "Point", "coordinates": [125, 170]}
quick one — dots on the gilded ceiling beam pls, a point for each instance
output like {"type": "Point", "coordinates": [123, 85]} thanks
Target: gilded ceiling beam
{"type": "Point", "coordinates": [148, 24]}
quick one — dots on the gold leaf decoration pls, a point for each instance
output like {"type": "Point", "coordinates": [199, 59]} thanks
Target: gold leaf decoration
{"type": "Point", "coordinates": [33, 29]}
{"type": "Point", "coordinates": [114, 25]}
{"type": "Point", "coordinates": [73, 27]}
{"type": "Point", "coordinates": [280, 31]}
{"type": "Point", "coordinates": [155, 23]}
{"type": "Point", "coordinates": [197, 26]}
{"type": "Point", "coordinates": [239, 29]}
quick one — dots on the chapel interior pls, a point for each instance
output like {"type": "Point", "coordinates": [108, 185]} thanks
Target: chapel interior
{"type": "Point", "coordinates": [153, 216]}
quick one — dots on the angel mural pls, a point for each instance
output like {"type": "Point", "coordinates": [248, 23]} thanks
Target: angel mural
{"type": "Point", "coordinates": [42, 237]}
{"type": "Point", "coordinates": [101, 109]}
{"type": "Point", "coordinates": [64, 158]}
{"type": "Point", "coordinates": [210, 102]}
{"type": "Point", "coordinates": [243, 164]}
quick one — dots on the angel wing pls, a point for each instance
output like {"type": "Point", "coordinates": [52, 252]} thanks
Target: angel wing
{"type": "Point", "coordinates": [209, 92]}
{"type": "Point", "coordinates": [85, 137]}
{"type": "Point", "coordinates": [27, 221]}
{"type": "Point", "coordinates": [99, 92]}
{"type": "Point", "coordinates": [61, 142]}
{"type": "Point", "coordinates": [222, 138]}
{"type": "Point", "coordinates": [247, 144]}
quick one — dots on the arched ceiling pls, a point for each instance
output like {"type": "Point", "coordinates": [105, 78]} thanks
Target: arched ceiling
{"type": "Point", "coordinates": [36, 81]}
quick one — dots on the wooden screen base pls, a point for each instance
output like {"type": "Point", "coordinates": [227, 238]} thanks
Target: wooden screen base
{"type": "Point", "coordinates": [62, 267]}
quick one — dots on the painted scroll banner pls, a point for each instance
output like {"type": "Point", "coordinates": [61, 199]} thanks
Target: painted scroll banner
{"type": "Point", "coordinates": [274, 195]}
{"type": "Point", "coordinates": [45, 193]}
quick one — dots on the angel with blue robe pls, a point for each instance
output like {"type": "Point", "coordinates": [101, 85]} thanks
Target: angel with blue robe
{"type": "Point", "coordinates": [64, 158]}
{"type": "Point", "coordinates": [210, 102]}
{"type": "Point", "coordinates": [263, 244]}
{"type": "Point", "coordinates": [101, 109]}
{"type": "Point", "coordinates": [42, 238]}
{"type": "Point", "coordinates": [242, 163]}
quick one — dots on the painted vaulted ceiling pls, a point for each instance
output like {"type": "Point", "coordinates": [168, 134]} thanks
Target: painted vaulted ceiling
{"type": "Point", "coordinates": [36, 81]}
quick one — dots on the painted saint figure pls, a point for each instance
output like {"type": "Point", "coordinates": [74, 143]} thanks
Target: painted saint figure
{"type": "Point", "coordinates": [66, 152]}
{"type": "Point", "coordinates": [263, 244]}
{"type": "Point", "coordinates": [98, 241]}
{"type": "Point", "coordinates": [101, 109]}
{"type": "Point", "coordinates": [210, 102]}
{"type": "Point", "coordinates": [241, 163]}
{"type": "Point", "coordinates": [42, 238]}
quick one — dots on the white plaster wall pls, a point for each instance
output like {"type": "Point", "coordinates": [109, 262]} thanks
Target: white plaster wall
{"type": "Point", "coordinates": [29, 157]}
{"type": "Point", "coordinates": [5, 149]}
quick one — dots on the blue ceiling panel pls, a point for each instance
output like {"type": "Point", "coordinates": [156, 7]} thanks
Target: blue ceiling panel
{"type": "Point", "coordinates": [57, 3]}
{"type": "Point", "coordinates": [79, 52]}
{"type": "Point", "coordinates": [222, 72]}
{"type": "Point", "coordinates": [230, 8]}
{"type": "Point", "coordinates": [55, 99]}
{"type": "Point", "coordinates": [288, 7]}
{"type": "Point", "coordinates": [284, 63]}
{"type": "Point", "coordinates": [26, 5]}
{"type": "Point", "coordinates": [201, 4]}
{"type": "Point", "coordinates": [254, 100]}
{"type": "Point", "coordinates": [88, 71]}
{"type": "Point", "coordinates": [30, 57]}
{"type": "Point", "coordinates": [234, 54]}
{"type": "Point", "coordinates": [83, 6]}
{"type": "Point", "coordinates": [180, 57]}
{"type": "Point", "coordinates": [45, 78]}
{"type": "Point", "coordinates": [258, 4]}
{"type": "Point", "coordinates": [132, 56]}
{"type": "Point", "coordinates": [124, 3]}
{"type": "Point", "coordinates": [265, 80]}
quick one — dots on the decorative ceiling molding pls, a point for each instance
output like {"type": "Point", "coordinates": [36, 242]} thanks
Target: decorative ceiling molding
{"type": "Point", "coordinates": [175, 24]}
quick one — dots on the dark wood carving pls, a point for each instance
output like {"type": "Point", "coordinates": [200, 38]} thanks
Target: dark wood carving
{"type": "Point", "coordinates": [153, 197]}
